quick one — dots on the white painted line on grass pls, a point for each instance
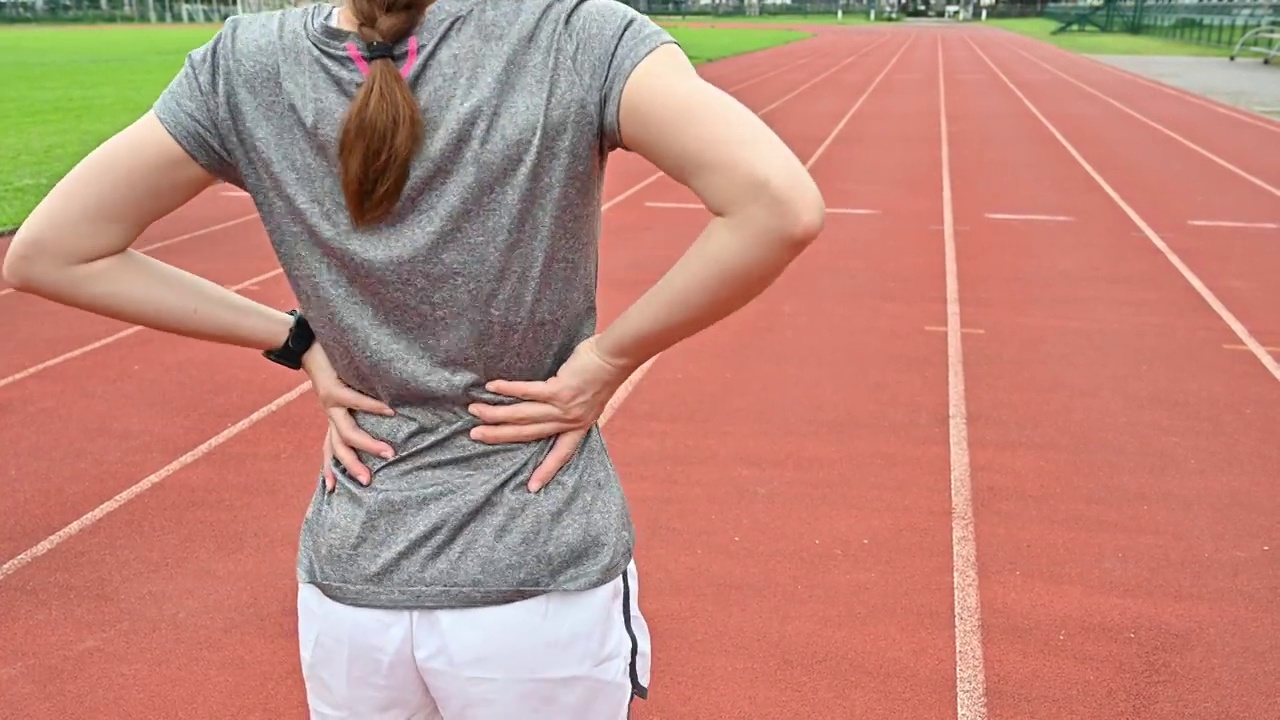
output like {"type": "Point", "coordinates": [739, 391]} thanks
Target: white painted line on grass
{"type": "Point", "coordinates": [108, 340]}
{"type": "Point", "coordinates": [1152, 123]}
{"type": "Point", "coordinates": [1041, 218]}
{"type": "Point", "coordinates": [1194, 280]}
{"type": "Point", "coordinates": [971, 681]}
{"type": "Point", "coordinates": [1234, 224]}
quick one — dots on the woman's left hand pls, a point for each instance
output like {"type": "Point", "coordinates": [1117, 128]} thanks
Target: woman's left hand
{"type": "Point", "coordinates": [343, 436]}
{"type": "Point", "coordinates": [564, 407]}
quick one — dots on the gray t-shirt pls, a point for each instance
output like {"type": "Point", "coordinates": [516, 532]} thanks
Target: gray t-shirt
{"type": "Point", "coordinates": [487, 271]}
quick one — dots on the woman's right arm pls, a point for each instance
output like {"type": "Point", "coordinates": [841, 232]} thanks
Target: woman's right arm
{"type": "Point", "coordinates": [767, 208]}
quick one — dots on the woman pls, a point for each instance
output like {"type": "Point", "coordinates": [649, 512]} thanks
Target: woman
{"type": "Point", "coordinates": [430, 179]}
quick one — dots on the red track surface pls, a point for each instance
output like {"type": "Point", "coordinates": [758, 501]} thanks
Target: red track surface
{"type": "Point", "coordinates": [794, 473]}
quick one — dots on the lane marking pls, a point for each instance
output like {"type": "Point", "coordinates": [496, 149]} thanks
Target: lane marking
{"type": "Point", "coordinates": [1256, 181]}
{"type": "Point", "coordinates": [115, 503]}
{"type": "Point", "coordinates": [1268, 348]}
{"type": "Point", "coordinates": [939, 328]}
{"type": "Point", "coordinates": [971, 682]}
{"type": "Point", "coordinates": [844, 120]}
{"type": "Point", "coordinates": [1187, 95]}
{"type": "Point", "coordinates": [1207, 295]}
{"type": "Point", "coordinates": [818, 78]}
{"type": "Point", "coordinates": [175, 239]}
{"type": "Point", "coordinates": [1045, 218]}
{"type": "Point", "coordinates": [22, 375]}
{"type": "Point", "coordinates": [700, 206]}
{"type": "Point", "coordinates": [771, 73]}
{"type": "Point", "coordinates": [656, 176]}
{"type": "Point", "coordinates": [208, 446]}
{"type": "Point", "coordinates": [1233, 224]}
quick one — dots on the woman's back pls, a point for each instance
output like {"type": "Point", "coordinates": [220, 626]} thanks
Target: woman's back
{"type": "Point", "coordinates": [485, 270]}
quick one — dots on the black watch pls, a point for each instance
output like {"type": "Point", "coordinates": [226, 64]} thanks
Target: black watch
{"type": "Point", "coordinates": [295, 346]}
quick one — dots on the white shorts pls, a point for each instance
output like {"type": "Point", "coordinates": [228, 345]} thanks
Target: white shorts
{"type": "Point", "coordinates": [560, 656]}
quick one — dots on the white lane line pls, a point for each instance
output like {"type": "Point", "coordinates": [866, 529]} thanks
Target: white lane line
{"type": "Point", "coordinates": [23, 374]}
{"type": "Point", "coordinates": [1152, 123]}
{"type": "Point", "coordinates": [700, 206]}
{"type": "Point", "coordinates": [1268, 348]}
{"type": "Point", "coordinates": [208, 446]}
{"type": "Point", "coordinates": [844, 120]}
{"type": "Point", "coordinates": [1042, 218]}
{"type": "Point", "coordinates": [818, 78]}
{"type": "Point", "coordinates": [1234, 224]}
{"type": "Point", "coordinates": [940, 328]}
{"type": "Point", "coordinates": [654, 177]}
{"type": "Point", "coordinates": [971, 682]}
{"type": "Point", "coordinates": [1205, 293]}
{"type": "Point", "coordinates": [175, 239]}
{"type": "Point", "coordinates": [769, 74]}
{"type": "Point", "coordinates": [1264, 123]}
{"type": "Point", "coordinates": [115, 503]}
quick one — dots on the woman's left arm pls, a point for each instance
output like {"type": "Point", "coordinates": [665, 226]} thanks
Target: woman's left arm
{"type": "Point", "coordinates": [74, 248]}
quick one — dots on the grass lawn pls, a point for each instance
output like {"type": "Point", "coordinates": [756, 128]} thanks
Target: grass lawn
{"type": "Point", "coordinates": [850, 18]}
{"type": "Point", "coordinates": [1100, 43]}
{"type": "Point", "coordinates": [65, 93]}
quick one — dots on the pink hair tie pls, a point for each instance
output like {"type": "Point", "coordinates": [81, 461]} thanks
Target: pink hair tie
{"type": "Point", "coordinates": [378, 51]}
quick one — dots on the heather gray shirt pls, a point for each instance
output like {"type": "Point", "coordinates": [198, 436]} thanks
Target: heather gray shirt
{"type": "Point", "coordinates": [487, 271]}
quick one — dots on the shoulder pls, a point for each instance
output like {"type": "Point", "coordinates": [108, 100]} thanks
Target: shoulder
{"type": "Point", "coordinates": [253, 42]}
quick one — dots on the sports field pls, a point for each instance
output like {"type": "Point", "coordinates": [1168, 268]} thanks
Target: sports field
{"type": "Point", "coordinates": [63, 96]}
{"type": "Point", "coordinates": [1001, 445]}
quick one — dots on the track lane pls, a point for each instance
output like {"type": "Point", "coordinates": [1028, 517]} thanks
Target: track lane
{"type": "Point", "coordinates": [1122, 503]}
{"type": "Point", "coordinates": [811, 525]}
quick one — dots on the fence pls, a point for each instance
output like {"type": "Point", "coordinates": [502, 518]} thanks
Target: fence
{"type": "Point", "coordinates": [1204, 23]}
{"type": "Point", "coordinates": [130, 11]}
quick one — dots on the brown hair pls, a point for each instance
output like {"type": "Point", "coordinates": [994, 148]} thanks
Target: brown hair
{"type": "Point", "coordinates": [383, 128]}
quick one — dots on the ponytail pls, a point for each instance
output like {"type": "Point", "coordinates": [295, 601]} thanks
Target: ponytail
{"type": "Point", "coordinates": [383, 129]}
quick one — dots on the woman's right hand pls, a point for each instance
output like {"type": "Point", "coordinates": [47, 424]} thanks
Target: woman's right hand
{"type": "Point", "coordinates": [343, 436]}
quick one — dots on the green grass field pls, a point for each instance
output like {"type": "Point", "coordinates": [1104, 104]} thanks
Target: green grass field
{"type": "Point", "coordinates": [1099, 43]}
{"type": "Point", "coordinates": [64, 96]}
{"type": "Point", "coordinates": [850, 18]}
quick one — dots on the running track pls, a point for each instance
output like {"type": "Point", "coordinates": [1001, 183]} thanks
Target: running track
{"type": "Point", "coordinates": [1002, 444]}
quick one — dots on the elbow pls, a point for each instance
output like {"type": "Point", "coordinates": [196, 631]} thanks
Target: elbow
{"type": "Point", "coordinates": [24, 267]}
{"type": "Point", "coordinates": [17, 269]}
{"type": "Point", "coordinates": [800, 214]}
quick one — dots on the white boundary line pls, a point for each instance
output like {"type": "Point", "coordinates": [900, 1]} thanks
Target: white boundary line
{"type": "Point", "coordinates": [815, 80]}
{"type": "Point", "coordinates": [771, 73]}
{"type": "Point", "coordinates": [1233, 224]}
{"type": "Point", "coordinates": [1121, 106]}
{"type": "Point", "coordinates": [208, 446]}
{"type": "Point", "coordinates": [700, 206]}
{"type": "Point", "coordinates": [23, 374]}
{"type": "Point", "coordinates": [1261, 121]}
{"type": "Point", "coordinates": [1205, 293]}
{"type": "Point", "coordinates": [1015, 216]}
{"type": "Point", "coordinates": [971, 682]}
{"type": "Point", "coordinates": [1237, 113]}
{"type": "Point", "coordinates": [175, 239]}
{"type": "Point", "coordinates": [146, 483]}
